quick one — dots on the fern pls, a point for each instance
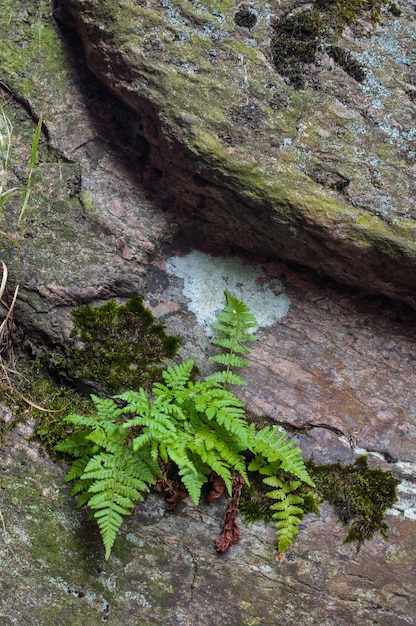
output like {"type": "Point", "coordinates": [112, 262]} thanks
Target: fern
{"type": "Point", "coordinates": [234, 324]}
{"type": "Point", "coordinates": [110, 477]}
{"type": "Point", "coordinates": [288, 511]}
{"type": "Point", "coordinates": [199, 425]}
{"type": "Point", "coordinates": [272, 450]}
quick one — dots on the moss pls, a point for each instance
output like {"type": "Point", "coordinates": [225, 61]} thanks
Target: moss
{"type": "Point", "coordinates": [297, 37]}
{"type": "Point", "coordinates": [345, 60]}
{"type": "Point", "coordinates": [361, 496]}
{"type": "Point", "coordinates": [30, 40]}
{"type": "Point", "coordinates": [86, 200]}
{"type": "Point", "coordinates": [294, 43]}
{"type": "Point", "coordinates": [254, 504]}
{"type": "Point", "coordinates": [121, 346]}
{"type": "Point", "coordinates": [50, 426]}
{"type": "Point", "coordinates": [245, 17]}
{"type": "Point", "coordinates": [397, 238]}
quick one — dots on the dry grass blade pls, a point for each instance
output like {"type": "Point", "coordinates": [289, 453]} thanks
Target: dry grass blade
{"type": "Point", "coordinates": [5, 322]}
{"type": "Point", "coordinates": [25, 399]}
{"type": "Point", "coordinates": [6, 540]}
{"type": "Point", "coordinates": [4, 279]}
{"type": "Point", "coordinates": [5, 341]}
{"type": "Point", "coordinates": [9, 313]}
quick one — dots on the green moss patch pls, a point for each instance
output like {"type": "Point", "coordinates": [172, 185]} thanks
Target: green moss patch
{"type": "Point", "coordinates": [298, 36]}
{"type": "Point", "coordinates": [254, 505]}
{"type": "Point", "coordinates": [360, 495]}
{"type": "Point", "coordinates": [121, 346]}
{"type": "Point", "coordinates": [50, 426]}
{"type": "Point", "coordinates": [116, 347]}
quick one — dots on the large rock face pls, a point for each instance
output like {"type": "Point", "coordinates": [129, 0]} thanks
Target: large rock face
{"type": "Point", "coordinates": [313, 164]}
{"type": "Point", "coordinates": [338, 366]}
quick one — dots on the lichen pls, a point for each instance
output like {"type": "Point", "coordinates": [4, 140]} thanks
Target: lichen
{"type": "Point", "coordinates": [206, 277]}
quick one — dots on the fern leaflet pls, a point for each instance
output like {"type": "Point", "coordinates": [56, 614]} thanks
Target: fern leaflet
{"type": "Point", "coordinates": [234, 324]}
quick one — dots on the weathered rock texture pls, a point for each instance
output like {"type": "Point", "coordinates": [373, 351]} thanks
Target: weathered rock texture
{"type": "Point", "coordinates": [89, 230]}
{"type": "Point", "coordinates": [339, 366]}
{"type": "Point", "coordinates": [164, 569]}
{"type": "Point", "coordinates": [323, 175]}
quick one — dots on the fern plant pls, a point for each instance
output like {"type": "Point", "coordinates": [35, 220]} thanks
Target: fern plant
{"type": "Point", "coordinates": [109, 476]}
{"type": "Point", "coordinates": [199, 425]}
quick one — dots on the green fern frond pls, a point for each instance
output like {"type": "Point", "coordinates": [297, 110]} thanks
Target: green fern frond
{"type": "Point", "coordinates": [77, 469]}
{"type": "Point", "coordinates": [216, 454]}
{"type": "Point", "coordinates": [116, 483]}
{"type": "Point", "coordinates": [84, 495]}
{"type": "Point", "coordinates": [223, 378]}
{"type": "Point", "coordinates": [137, 403]}
{"type": "Point", "coordinates": [234, 324]}
{"type": "Point", "coordinates": [236, 320]}
{"type": "Point", "coordinates": [109, 520]}
{"type": "Point", "coordinates": [76, 445]}
{"type": "Point", "coordinates": [178, 375]}
{"type": "Point", "coordinates": [79, 420]}
{"type": "Point", "coordinates": [288, 511]}
{"type": "Point", "coordinates": [107, 410]}
{"type": "Point", "coordinates": [111, 438]}
{"type": "Point", "coordinates": [210, 398]}
{"type": "Point", "coordinates": [193, 481]}
{"type": "Point", "coordinates": [230, 359]}
{"type": "Point", "coordinates": [270, 445]}
{"type": "Point", "coordinates": [234, 343]}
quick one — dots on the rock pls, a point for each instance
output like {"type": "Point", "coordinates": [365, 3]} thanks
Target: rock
{"type": "Point", "coordinates": [286, 132]}
{"type": "Point", "coordinates": [338, 366]}
{"type": "Point", "coordinates": [89, 230]}
{"type": "Point", "coordinates": [165, 570]}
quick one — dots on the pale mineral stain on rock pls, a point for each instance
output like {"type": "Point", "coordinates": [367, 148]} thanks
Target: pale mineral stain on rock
{"type": "Point", "coordinates": [206, 277]}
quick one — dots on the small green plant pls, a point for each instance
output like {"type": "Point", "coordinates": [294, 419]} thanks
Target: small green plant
{"type": "Point", "coordinates": [199, 425]}
{"type": "Point", "coordinates": [6, 132]}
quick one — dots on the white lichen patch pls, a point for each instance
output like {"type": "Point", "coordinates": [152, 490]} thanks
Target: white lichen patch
{"type": "Point", "coordinates": [406, 501]}
{"type": "Point", "coordinates": [137, 597]}
{"type": "Point", "coordinates": [109, 581]}
{"type": "Point", "coordinates": [206, 277]}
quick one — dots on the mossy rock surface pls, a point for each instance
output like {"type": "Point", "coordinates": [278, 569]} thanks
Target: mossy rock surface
{"type": "Point", "coordinates": [283, 128]}
{"type": "Point", "coordinates": [89, 230]}
{"type": "Point", "coordinates": [164, 569]}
